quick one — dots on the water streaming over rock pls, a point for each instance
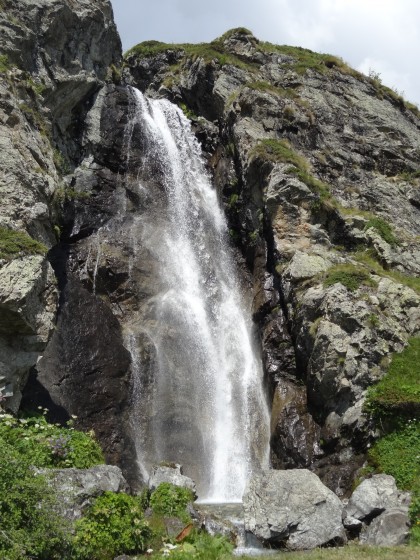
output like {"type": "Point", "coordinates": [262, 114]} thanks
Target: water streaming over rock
{"type": "Point", "coordinates": [198, 390]}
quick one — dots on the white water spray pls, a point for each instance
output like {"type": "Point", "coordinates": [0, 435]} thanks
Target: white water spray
{"type": "Point", "coordinates": [198, 398]}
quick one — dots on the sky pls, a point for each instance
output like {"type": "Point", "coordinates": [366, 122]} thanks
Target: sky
{"type": "Point", "coordinates": [382, 36]}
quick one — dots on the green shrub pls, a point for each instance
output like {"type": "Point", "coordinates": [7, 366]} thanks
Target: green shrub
{"type": "Point", "coordinates": [113, 525]}
{"type": "Point", "coordinates": [398, 392]}
{"type": "Point", "coordinates": [350, 276]}
{"type": "Point", "coordinates": [29, 527]}
{"type": "Point", "coordinates": [172, 500]}
{"type": "Point", "coordinates": [200, 546]}
{"type": "Point", "coordinates": [383, 229]}
{"type": "Point", "coordinates": [15, 244]}
{"type": "Point", "coordinates": [50, 445]}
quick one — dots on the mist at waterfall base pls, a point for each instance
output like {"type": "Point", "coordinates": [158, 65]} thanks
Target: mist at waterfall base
{"type": "Point", "coordinates": [198, 396]}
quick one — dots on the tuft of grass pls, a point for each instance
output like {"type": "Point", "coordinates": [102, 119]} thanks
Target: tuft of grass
{"type": "Point", "coordinates": [4, 63]}
{"type": "Point", "coordinates": [410, 176]}
{"type": "Point", "coordinates": [235, 31]}
{"type": "Point", "coordinates": [280, 151]}
{"type": "Point", "coordinates": [349, 275]}
{"type": "Point", "coordinates": [383, 228]}
{"type": "Point", "coordinates": [305, 59]}
{"type": "Point", "coordinates": [368, 258]}
{"type": "Point", "coordinates": [14, 244]}
{"type": "Point", "coordinates": [398, 392]}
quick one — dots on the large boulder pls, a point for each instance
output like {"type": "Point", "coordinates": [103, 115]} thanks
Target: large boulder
{"type": "Point", "coordinates": [78, 487]}
{"type": "Point", "coordinates": [293, 509]}
{"type": "Point", "coordinates": [373, 496]}
{"type": "Point", "coordinates": [391, 528]}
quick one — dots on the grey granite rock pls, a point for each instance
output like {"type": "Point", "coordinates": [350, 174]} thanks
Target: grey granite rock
{"type": "Point", "coordinates": [293, 508]}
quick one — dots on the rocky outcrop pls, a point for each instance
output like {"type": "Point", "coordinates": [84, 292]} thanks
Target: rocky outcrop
{"type": "Point", "coordinates": [293, 509]}
{"type": "Point", "coordinates": [28, 301]}
{"type": "Point", "coordinates": [373, 496]}
{"type": "Point", "coordinates": [310, 158]}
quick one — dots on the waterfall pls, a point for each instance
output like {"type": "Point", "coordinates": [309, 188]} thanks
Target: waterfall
{"type": "Point", "coordinates": [198, 395]}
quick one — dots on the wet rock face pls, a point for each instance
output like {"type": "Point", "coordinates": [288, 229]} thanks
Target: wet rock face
{"type": "Point", "coordinates": [304, 161]}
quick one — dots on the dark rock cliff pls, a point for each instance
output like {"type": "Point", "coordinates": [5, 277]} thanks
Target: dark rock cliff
{"type": "Point", "coordinates": [318, 170]}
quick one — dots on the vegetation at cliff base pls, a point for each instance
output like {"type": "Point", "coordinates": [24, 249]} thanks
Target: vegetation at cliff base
{"type": "Point", "coordinates": [15, 244]}
{"type": "Point", "coordinates": [398, 392]}
{"type": "Point", "coordinates": [114, 524]}
{"type": "Point", "coordinates": [50, 445]}
{"type": "Point", "coordinates": [30, 526]}
{"type": "Point", "coordinates": [395, 403]}
{"type": "Point", "coordinates": [168, 499]}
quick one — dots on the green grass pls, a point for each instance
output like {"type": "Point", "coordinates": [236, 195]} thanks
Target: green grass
{"type": "Point", "coordinates": [262, 85]}
{"type": "Point", "coordinates": [368, 258]}
{"type": "Point", "coordinates": [409, 176]}
{"type": "Point", "coordinates": [349, 275]}
{"type": "Point", "coordinates": [276, 151]}
{"type": "Point", "coordinates": [214, 51]}
{"type": "Point", "coordinates": [305, 59]}
{"type": "Point", "coordinates": [4, 63]}
{"type": "Point", "coordinates": [14, 244]}
{"type": "Point", "coordinates": [383, 228]}
{"type": "Point", "coordinates": [397, 454]}
{"type": "Point", "coordinates": [351, 552]}
{"type": "Point", "coordinates": [398, 392]}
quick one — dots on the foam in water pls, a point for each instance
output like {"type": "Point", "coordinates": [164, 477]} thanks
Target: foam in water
{"type": "Point", "coordinates": [201, 402]}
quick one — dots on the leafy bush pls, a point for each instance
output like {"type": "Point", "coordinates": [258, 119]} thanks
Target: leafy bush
{"type": "Point", "coordinates": [15, 244]}
{"type": "Point", "coordinates": [383, 229]}
{"type": "Point", "coordinates": [113, 525]}
{"type": "Point", "coordinates": [172, 500]}
{"type": "Point", "coordinates": [29, 526]}
{"type": "Point", "coordinates": [399, 390]}
{"type": "Point", "coordinates": [50, 445]}
{"type": "Point", "coordinates": [200, 546]}
{"type": "Point", "coordinates": [350, 276]}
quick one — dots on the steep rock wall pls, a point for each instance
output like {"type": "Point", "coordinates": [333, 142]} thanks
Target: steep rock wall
{"type": "Point", "coordinates": [57, 57]}
{"type": "Point", "coordinates": [306, 155]}
{"type": "Point", "coordinates": [311, 159]}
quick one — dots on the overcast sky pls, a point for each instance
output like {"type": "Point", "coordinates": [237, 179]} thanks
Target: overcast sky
{"type": "Point", "coordinates": [382, 35]}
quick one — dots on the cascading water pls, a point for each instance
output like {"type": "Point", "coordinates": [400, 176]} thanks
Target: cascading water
{"type": "Point", "coordinates": [198, 389]}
